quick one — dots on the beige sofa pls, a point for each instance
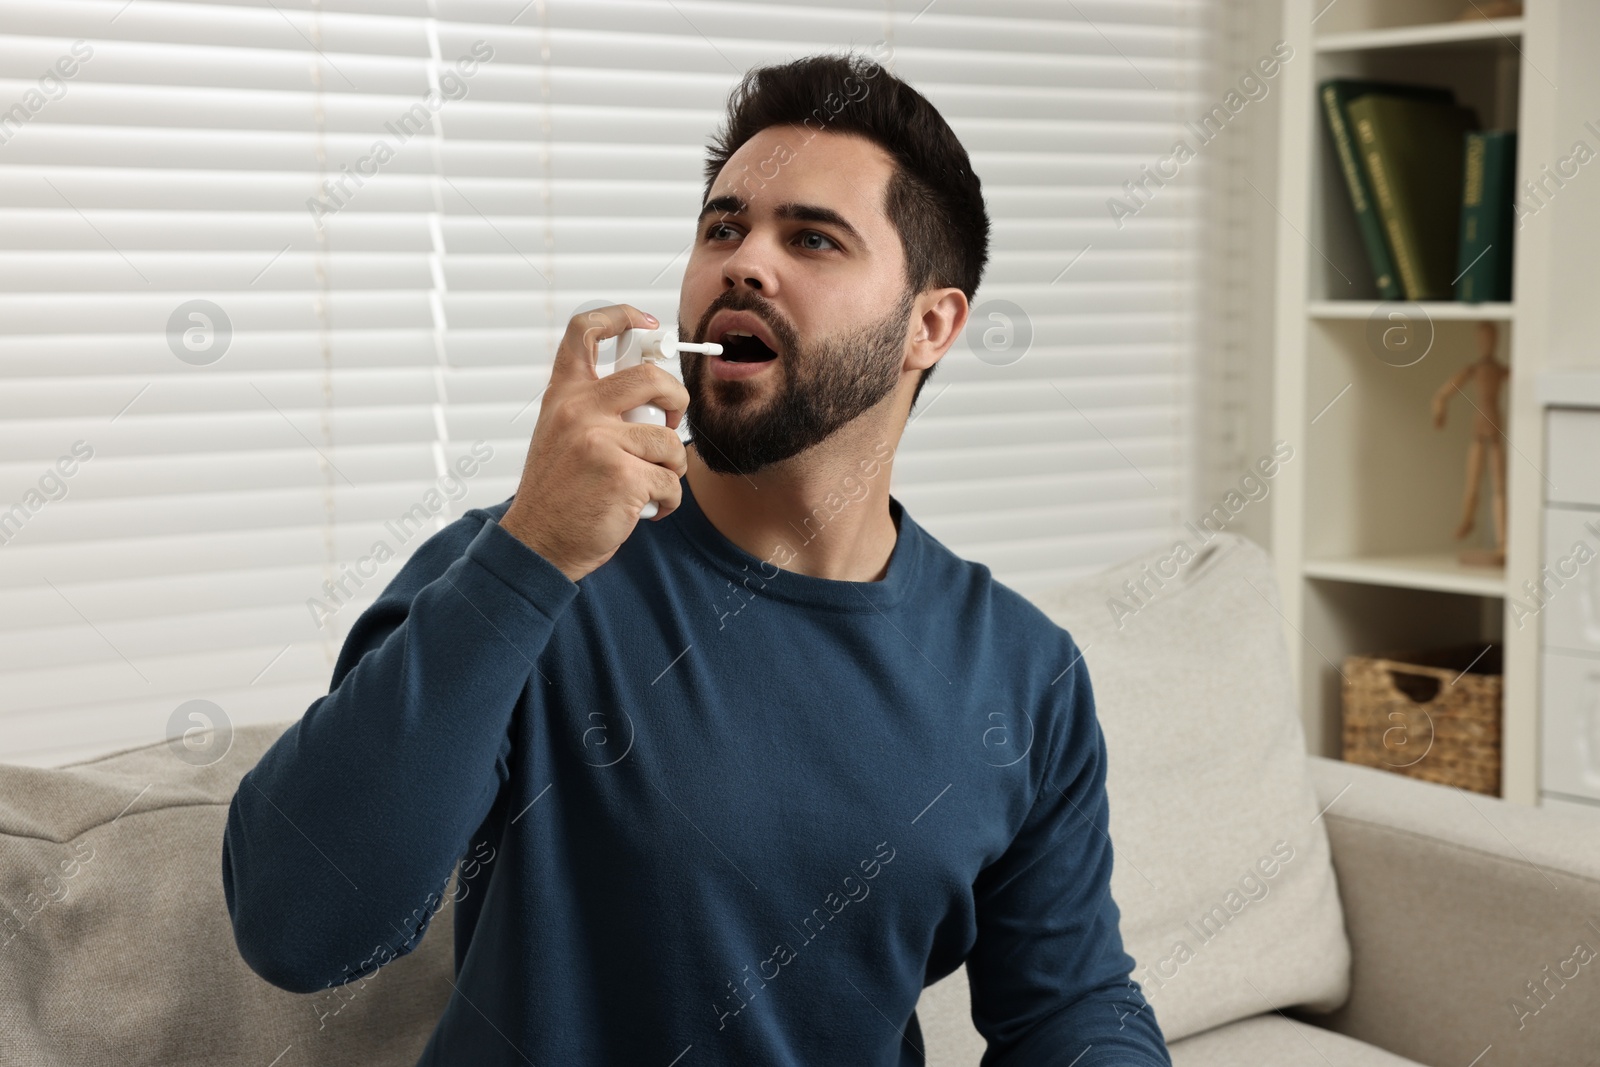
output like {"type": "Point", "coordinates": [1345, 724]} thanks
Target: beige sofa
{"type": "Point", "coordinates": [1283, 910]}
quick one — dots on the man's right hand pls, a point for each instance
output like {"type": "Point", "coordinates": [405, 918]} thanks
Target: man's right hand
{"type": "Point", "coordinates": [588, 473]}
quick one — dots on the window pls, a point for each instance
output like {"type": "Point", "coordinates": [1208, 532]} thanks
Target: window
{"type": "Point", "coordinates": [282, 282]}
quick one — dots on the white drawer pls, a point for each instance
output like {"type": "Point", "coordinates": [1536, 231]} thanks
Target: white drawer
{"type": "Point", "coordinates": [1571, 610]}
{"type": "Point", "coordinates": [1572, 455]}
{"type": "Point", "coordinates": [1571, 725]}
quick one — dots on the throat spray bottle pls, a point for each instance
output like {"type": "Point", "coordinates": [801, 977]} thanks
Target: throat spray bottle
{"type": "Point", "coordinates": [660, 347]}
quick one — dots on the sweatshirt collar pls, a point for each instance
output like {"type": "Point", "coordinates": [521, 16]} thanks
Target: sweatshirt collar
{"type": "Point", "coordinates": [763, 576]}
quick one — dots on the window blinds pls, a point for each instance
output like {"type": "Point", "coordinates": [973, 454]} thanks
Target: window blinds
{"type": "Point", "coordinates": [280, 283]}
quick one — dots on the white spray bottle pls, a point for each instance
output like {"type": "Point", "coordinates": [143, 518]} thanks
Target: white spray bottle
{"type": "Point", "coordinates": [660, 347]}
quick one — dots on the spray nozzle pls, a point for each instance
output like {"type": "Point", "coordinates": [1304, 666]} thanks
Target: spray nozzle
{"type": "Point", "coordinates": [656, 346]}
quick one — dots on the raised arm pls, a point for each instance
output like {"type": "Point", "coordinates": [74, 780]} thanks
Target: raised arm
{"type": "Point", "coordinates": [1049, 976]}
{"type": "Point", "coordinates": [345, 833]}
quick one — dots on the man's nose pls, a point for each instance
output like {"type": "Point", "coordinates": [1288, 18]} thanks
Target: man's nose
{"type": "Point", "coordinates": [751, 266]}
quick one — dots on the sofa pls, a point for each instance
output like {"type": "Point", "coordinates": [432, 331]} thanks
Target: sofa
{"type": "Point", "coordinates": [1282, 909]}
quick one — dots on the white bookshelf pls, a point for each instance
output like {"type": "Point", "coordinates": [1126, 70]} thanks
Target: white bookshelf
{"type": "Point", "coordinates": [1363, 527]}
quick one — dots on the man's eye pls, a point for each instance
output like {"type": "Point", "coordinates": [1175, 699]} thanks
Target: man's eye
{"type": "Point", "coordinates": [807, 237]}
{"type": "Point", "coordinates": [720, 231]}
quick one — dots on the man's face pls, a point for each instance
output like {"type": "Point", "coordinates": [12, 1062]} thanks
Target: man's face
{"type": "Point", "coordinates": [794, 248]}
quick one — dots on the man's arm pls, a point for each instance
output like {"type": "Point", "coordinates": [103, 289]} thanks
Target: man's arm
{"type": "Point", "coordinates": [1049, 976]}
{"type": "Point", "coordinates": [344, 835]}
{"type": "Point", "coordinates": [342, 838]}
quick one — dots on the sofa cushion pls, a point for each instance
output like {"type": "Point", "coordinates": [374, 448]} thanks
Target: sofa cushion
{"type": "Point", "coordinates": [115, 944]}
{"type": "Point", "coordinates": [1282, 1042]}
{"type": "Point", "coordinates": [1222, 866]}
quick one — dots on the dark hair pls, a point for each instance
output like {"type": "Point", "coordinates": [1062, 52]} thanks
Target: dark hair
{"type": "Point", "coordinates": [934, 200]}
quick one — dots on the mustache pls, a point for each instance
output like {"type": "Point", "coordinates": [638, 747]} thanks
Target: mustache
{"type": "Point", "coordinates": [736, 300]}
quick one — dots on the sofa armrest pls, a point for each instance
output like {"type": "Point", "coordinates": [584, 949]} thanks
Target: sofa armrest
{"type": "Point", "coordinates": [1473, 922]}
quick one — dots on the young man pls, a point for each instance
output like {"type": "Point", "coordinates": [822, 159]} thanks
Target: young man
{"type": "Point", "coordinates": [738, 782]}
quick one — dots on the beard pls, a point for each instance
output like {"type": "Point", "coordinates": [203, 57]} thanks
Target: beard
{"type": "Point", "coordinates": [821, 388]}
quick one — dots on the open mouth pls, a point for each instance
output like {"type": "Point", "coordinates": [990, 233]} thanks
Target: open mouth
{"type": "Point", "coordinates": [738, 347]}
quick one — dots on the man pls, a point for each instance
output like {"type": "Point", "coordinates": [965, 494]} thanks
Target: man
{"type": "Point", "coordinates": [740, 781]}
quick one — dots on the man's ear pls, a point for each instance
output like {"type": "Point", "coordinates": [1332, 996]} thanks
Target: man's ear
{"type": "Point", "coordinates": [938, 317]}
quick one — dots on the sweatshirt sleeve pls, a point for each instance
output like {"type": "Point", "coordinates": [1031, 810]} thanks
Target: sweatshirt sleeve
{"type": "Point", "coordinates": [1049, 977]}
{"type": "Point", "coordinates": [355, 817]}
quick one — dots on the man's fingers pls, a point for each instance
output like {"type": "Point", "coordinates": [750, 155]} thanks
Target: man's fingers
{"type": "Point", "coordinates": [668, 494]}
{"type": "Point", "coordinates": [658, 445]}
{"type": "Point", "coordinates": [577, 355]}
{"type": "Point", "coordinates": [644, 384]}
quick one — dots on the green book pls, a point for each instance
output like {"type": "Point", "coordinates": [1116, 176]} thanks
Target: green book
{"type": "Point", "coordinates": [1483, 263]}
{"type": "Point", "coordinates": [1412, 152]}
{"type": "Point", "coordinates": [1336, 95]}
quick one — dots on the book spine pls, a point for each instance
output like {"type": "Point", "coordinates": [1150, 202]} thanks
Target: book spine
{"type": "Point", "coordinates": [1360, 199]}
{"type": "Point", "coordinates": [1487, 217]}
{"type": "Point", "coordinates": [1401, 241]}
{"type": "Point", "coordinates": [1499, 181]}
{"type": "Point", "coordinates": [1473, 273]}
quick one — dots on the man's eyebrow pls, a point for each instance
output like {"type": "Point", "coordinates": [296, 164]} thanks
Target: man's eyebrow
{"type": "Point", "coordinates": [734, 205]}
{"type": "Point", "coordinates": [816, 213]}
{"type": "Point", "coordinates": [722, 205]}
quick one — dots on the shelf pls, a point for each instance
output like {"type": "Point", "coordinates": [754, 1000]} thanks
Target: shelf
{"type": "Point", "coordinates": [1504, 31]}
{"type": "Point", "coordinates": [1437, 310]}
{"type": "Point", "coordinates": [1438, 571]}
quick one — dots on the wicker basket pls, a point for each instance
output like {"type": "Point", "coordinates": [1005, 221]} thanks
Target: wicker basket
{"type": "Point", "coordinates": [1430, 715]}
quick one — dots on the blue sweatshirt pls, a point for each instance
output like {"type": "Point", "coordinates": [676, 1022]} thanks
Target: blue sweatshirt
{"type": "Point", "coordinates": [705, 810]}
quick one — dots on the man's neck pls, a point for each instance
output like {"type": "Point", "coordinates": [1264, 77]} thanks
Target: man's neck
{"type": "Point", "coordinates": [823, 519]}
